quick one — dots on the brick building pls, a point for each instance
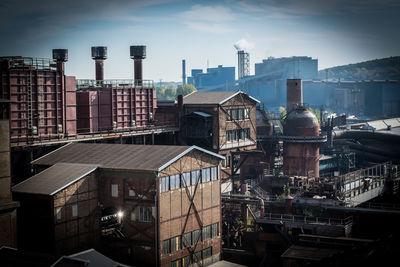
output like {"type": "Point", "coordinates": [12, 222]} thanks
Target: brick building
{"type": "Point", "coordinates": [156, 205]}
{"type": "Point", "coordinates": [224, 122]}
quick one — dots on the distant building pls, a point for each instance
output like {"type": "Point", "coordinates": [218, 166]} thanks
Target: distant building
{"type": "Point", "coordinates": [219, 76]}
{"type": "Point", "coordinates": [289, 67]}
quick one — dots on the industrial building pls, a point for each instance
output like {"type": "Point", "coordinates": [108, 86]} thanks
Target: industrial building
{"type": "Point", "coordinates": [156, 204]}
{"type": "Point", "coordinates": [214, 77]}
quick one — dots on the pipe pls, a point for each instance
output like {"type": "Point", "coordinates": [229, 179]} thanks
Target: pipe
{"type": "Point", "coordinates": [362, 134]}
{"type": "Point", "coordinates": [99, 66]}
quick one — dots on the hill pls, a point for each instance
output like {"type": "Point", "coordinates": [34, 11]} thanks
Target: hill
{"type": "Point", "coordinates": [377, 69]}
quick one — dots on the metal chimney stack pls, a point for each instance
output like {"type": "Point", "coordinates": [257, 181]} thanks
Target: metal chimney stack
{"type": "Point", "coordinates": [138, 53]}
{"type": "Point", "coordinates": [99, 54]}
{"type": "Point", "coordinates": [183, 71]}
{"type": "Point", "coordinates": [243, 64]}
{"type": "Point", "coordinates": [61, 56]}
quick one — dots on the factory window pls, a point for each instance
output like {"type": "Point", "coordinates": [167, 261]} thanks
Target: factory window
{"type": "Point", "coordinates": [245, 133]}
{"type": "Point", "coordinates": [131, 193]}
{"type": "Point", "coordinates": [234, 114]}
{"type": "Point", "coordinates": [174, 181]}
{"type": "Point", "coordinates": [197, 256]}
{"type": "Point", "coordinates": [74, 210]}
{"type": "Point", "coordinates": [196, 236]}
{"type": "Point", "coordinates": [214, 230]}
{"type": "Point", "coordinates": [164, 183]}
{"type": "Point", "coordinates": [207, 232]}
{"type": "Point", "coordinates": [145, 214]}
{"type": "Point", "coordinates": [175, 243]}
{"type": "Point", "coordinates": [227, 161]}
{"type": "Point", "coordinates": [207, 253]}
{"type": "Point", "coordinates": [205, 175]}
{"type": "Point", "coordinates": [195, 177]}
{"type": "Point", "coordinates": [247, 113]}
{"type": "Point", "coordinates": [186, 179]}
{"type": "Point", "coordinates": [58, 214]}
{"type": "Point", "coordinates": [214, 173]}
{"type": "Point", "coordinates": [176, 263]}
{"type": "Point", "coordinates": [241, 114]}
{"type": "Point", "coordinates": [187, 240]}
{"type": "Point", "coordinates": [114, 190]}
{"type": "Point", "coordinates": [166, 247]}
{"type": "Point", "coordinates": [186, 261]}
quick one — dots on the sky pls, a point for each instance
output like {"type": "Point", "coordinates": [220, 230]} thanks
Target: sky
{"type": "Point", "coordinates": [336, 32]}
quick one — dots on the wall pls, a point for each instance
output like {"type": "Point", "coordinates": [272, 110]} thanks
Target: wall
{"type": "Point", "coordinates": [73, 234]}
{"type": "Point", "coordinates": [175, 204]}
{"type": "Point", "coordinates": [135, 190]}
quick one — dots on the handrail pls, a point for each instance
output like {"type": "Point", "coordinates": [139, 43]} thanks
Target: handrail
{"type": "Point", "coordinates": [307, 219]}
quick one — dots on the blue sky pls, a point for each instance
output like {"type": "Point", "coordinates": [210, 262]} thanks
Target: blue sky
{"type": "Point", "coordinates": [334, 31]}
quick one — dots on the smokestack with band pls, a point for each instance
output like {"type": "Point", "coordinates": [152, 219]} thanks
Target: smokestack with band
{"type": "Point", "coordinates": [138, 53]}
{"type": "Point", "coordinates": [99, 54]}
{"type": "Point", "coordinates": [61, 56]}
{"type": "Point", "coordinates": [294, 93]}
{"type": "Point", "coordinates": [183, 71]}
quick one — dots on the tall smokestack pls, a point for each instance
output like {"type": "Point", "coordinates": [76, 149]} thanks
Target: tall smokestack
{"type": "Point", "coordinates": [61, 56]}
{"type": "Point", "coordinates": [243, 64]}
{"type": "Point", "coordinates": [99, 54]}
{"type": "Point", "coordinates": [138, 53]}
{"type": "Point", "coordinates": [294, 97]}
{"type": "Point", "coordinates": [183, 71]}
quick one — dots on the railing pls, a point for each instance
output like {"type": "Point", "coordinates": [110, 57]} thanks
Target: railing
{"type": "Point", "coordinates": [83, 84]}
{"type": "Point", "coordinates": [19, 141]}
{"type": "Point", "coordinates": [307, 219]}
{"type": "Point", "coordinates": [31, 62]}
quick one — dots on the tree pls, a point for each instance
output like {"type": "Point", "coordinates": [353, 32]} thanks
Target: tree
{"type": "Point", "coordinates": [185, 89]}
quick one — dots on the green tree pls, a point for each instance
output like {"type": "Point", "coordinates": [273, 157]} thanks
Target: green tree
{"type": "Point", "coordinates": [170, 93]}
{"type": "Point", "coordinates": [185, 89]}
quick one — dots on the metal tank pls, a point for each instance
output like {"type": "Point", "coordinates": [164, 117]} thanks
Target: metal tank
{"type": "Point", "coordinates": [99, 54]}
{"type": "Point", "coordinates": [301, 143]}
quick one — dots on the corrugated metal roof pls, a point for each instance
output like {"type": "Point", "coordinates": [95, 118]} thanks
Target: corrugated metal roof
{"type": "Point", "coordinates": [54, 179]}
{"type": "Point", "coordinates": [211, 97]}
{"type": "Point", "coordinates": [119, 156]}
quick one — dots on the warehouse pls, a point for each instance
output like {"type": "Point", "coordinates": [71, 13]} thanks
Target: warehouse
{"type": "Point", "coordinates": [157, 204]}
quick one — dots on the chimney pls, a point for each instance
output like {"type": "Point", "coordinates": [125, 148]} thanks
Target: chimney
{"type": "Point", "coordinates": [294, 94]}
{"type": "Point", "coordinates": [183, 71]}
{"type": "Point", "coordinates": [61, 56]}
{"type": "Point", "coordinates": [138, 53]}
{"type": "Point", "coordinates": [99, 54]}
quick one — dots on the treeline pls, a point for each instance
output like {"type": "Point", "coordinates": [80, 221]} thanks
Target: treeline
{"type": "Point", "coordinates": [169, 93]}
{"type": "Point", "coordinates": [378, 69]}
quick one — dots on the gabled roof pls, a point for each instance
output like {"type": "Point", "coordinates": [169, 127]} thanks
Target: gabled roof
{"type": "Point", "coordinates": [54, 179]}
{"type": "Point", "coordinates": [199, 113]}
{"type": "Point", "coordinates": [214, 98]}
{"type": "Point", "coordinates": [120, 156]}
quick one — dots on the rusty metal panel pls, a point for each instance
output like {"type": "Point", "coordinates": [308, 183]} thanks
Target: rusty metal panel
{"type": "Point", "coordinates": [38, 90]}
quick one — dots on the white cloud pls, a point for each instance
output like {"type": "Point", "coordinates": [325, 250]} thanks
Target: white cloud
{"type": "Point", "coordinates": [208, 13]}
{"type": "Point", "coordinates": [211, 19]}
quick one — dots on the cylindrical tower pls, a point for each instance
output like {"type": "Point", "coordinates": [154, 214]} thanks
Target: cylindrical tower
{"type": "Point", "coordinates": [138, 53]}
{"type": "Point", "coordinates": [301, 143]}
{"type": "Point", "coordinates": [61, 56]}
{"type": "Point", "coordinates": [99, 54]}
{"type": "Point", "coordinates": [294, 97]}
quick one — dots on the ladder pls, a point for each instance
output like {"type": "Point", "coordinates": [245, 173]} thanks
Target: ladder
{"type": "Point", "coordinates": [29, 99]}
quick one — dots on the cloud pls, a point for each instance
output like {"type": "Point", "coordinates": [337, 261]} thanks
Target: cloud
{"type": "Point", "coordinates": [243, 44]}
{"type": "Point", "coordinates": [211, 19]}
{"type": "Point", "coordinates": [209, 13]}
